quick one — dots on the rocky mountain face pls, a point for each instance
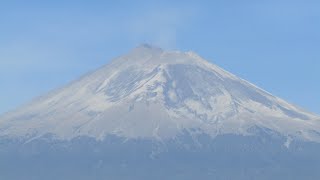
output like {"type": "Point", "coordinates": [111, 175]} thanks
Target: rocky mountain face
{"type": "Point", "coordinates": [155, 114]}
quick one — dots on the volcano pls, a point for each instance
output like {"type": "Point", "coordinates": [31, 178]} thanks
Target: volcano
{"type": "Point", "coordinates": [157, 114]}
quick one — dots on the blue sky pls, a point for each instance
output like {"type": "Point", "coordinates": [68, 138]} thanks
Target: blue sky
{"type": "Point", "coordinates": [275, 44]}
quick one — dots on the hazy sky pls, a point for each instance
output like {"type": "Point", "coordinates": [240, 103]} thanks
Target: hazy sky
{"type": "Point", "coordinates": [275, 44]}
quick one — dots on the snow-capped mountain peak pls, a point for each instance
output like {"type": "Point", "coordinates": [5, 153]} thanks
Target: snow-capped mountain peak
{"type": "Point", "coordinates": [156, 94]}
